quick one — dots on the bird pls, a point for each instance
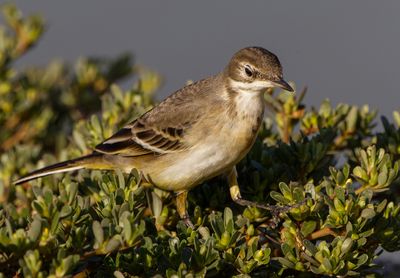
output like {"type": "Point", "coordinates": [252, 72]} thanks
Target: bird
{"type": "Point", "coordinates": [199, 132]}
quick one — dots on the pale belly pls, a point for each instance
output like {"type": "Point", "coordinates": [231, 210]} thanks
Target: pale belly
{"type": "Point", "coordinates": [197, 165]}
{"type": "Point", "coordinates": [215, 155]}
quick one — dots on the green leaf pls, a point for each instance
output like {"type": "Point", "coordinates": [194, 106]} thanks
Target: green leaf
{"type": "Point", "coordinates": [346, 246]}
{"type": "Point", "coordinates": [279, 198]}
{"type": "Point", "coordinates": [35, 229]}
{"type": "Point", "coordinates": [127, 229]}
{"type": "Point", "coordinates": [98, 232]}
{"type": "Point", "coordinates": [351, 119]}
{"type": "Point", "coordinates": [285, 190]}
{"type": "Point", "coordinates": [228, 220]}
{"type": "Point", "coordinates": [368, 213]}
{"type": "Point", "coordinates": [361, 242]}
{"type": "Point", "coordinates": [79, 140]}
{"type": "Point", "coordinates": [349, 227]}
{"type": "Point", "coordinates": [55, 222]}
{"type": "Point", "coordinates": [310, 247]}
{"type": "Point", "coordinates": [121, 179]}
{"type": "Point", "coordinates": [113, 244]}
{"type": "Point", "coordinates": [341, 265]}
{"type": "Point", "coordinates": [381, 206]}
{"type": "Point", "coordinates": [298, 194]}
{"type": "Point", "coordinates": [72, 189]}
{"type": "Point", "coordinates": [327, 265]}
{"type": "Point", "coordinates": [65, 211]}
{"type": "Point", "coordinates": [316, 270]}
{"type": "Point", "coordinates": [285, 262]}
{"type": "Point", "coordinates": [362, 260]}
{"type": "Point", "coordinates": [308, 227]}
{"type": "Point", "coordinates": [156, 204]}
{"type": "Point", "coordinates": [383, 176]}
{"type": "Point", "coordinates": [360, 173]}
{"type": "Point", "coordinates": [338, 205]}
{"type": "Point", "coordinates": [286, 249]}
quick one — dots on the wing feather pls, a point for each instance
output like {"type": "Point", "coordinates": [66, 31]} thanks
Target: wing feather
{"type": "Point", "coordinates": [162, 129]}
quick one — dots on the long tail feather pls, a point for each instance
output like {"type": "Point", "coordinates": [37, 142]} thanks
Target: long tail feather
{"type": "Point", "coordinates": [70, 165]}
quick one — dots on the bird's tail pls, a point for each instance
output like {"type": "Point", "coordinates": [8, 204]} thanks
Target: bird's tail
{"type": "Point", "coordinates": [90, 161]}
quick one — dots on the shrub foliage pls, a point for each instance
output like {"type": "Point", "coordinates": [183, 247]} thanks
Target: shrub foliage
{"type": "Point", "coordinates": [330, 163]}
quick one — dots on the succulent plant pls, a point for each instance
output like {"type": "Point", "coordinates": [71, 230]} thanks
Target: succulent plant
{"type": "Point", "coordinates": [330, 174]}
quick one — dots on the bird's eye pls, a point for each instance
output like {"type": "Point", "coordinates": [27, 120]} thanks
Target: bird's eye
{"type": "Point", "coordinates": [248, 71]}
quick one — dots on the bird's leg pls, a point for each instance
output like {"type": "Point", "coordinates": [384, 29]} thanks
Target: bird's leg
{"type": "Point", "coordinates": [181, 199]}
{"type": "Point", "coordinates": [235, 192]}
{"type": "Point", "coordinates": [237, 198]}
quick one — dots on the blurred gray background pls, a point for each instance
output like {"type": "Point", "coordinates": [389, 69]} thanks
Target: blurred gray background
{"type": "Point", "coordinates": [347, 51]}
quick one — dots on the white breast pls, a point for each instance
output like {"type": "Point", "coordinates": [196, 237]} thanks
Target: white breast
{"type": "Point", "coordinates": [250, 104]}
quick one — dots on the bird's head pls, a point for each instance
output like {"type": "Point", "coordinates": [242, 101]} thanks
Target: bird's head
{"type": "Point", "coordinates": [255, 69]}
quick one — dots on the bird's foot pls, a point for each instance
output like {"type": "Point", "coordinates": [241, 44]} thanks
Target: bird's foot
{"type": "Point", "coordinates": [274, 209]}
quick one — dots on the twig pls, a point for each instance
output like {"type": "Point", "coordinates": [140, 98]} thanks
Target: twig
{"type": "Point", "coordinates": [321, 233]}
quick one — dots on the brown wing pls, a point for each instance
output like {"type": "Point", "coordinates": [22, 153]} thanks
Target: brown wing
{"type": "Point", "coordinates": [162, 129]}
{"type": "Point", "coordinates": [137, 139]}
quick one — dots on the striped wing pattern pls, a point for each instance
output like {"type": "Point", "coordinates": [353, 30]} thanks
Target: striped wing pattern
{"type": "Point", "coordinates": [138, 139]}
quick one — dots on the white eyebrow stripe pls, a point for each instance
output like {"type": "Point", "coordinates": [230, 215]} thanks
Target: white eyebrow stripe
{"type": "Point", "coordinates": [254, 86]}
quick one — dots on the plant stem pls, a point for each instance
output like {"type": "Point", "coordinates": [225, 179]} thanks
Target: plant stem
{"type": "Point", "coordinates": [321, 233]}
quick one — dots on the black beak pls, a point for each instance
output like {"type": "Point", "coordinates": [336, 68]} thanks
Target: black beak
{"type": "Point", "coordinates": [284, 85]}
